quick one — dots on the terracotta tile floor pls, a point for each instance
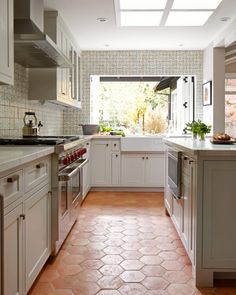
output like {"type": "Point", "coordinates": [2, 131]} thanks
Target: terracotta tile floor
{"type": "Point", "coordinates": [122, 244]}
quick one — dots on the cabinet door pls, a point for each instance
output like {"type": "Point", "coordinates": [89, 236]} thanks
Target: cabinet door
{"type": "Point", "coordinates": [13, 252]}
{"type": "Point", "coordinates": [6, 47]}
{"type": "Point", "coordinates": [37, 234]}
{"type": "Point", "coordinates": [177, 215]}
{"type": "Point", "coordinates": [154, 170]}
{"type": "Point", "coordinates": [132, 170]}
{"type": "Point", "coordinates": [101, 163]}
{"type": "Point", "coordinates": [115, 169]}
{"type": "Point", "coordinates": [219, 218]}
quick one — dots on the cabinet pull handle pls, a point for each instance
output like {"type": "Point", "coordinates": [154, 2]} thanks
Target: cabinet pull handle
{"type": "Point", "coordinates": [143, 158]}
{"type": "Point", "coordinates": [40, 165]}
{"type": "Point", "coordinates": [116, 156]}
{"type": "Point", "coordinates": [13, 178]}
{"type": "Point", "coordinates": [146, 158]}
{"type": "Point", "coordinates": [185, 158]}
{"type": "Point", "coordinates": [63, 93]}
{"type": "Point", "coordinates": [22, 216]}
{"type": "Point", "coordinates": [107, 144]}
{"type": "Point", "coordinates": [114, 144]}
{"type": "Point", "coordinates": [87, 143]}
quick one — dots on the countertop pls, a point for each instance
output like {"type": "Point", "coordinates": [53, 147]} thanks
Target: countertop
{"type": "Point", "coordinates": [200, 147]}
{"type": "Point", "coordinates": [13, 156]}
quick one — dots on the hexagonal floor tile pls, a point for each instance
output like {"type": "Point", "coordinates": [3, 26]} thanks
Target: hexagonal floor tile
{"type": "Point", "coordinates": [92, 264]}
{"type": "Point", "coordinates": [132, 264]}
{"type": "Point", "coordinates": [172, 265]}
{"type": "Point", "coordinates": [131, 254]}
{"type": "Point", "coordinates": [176, 277]}
{"type": "Point", "coordinates": [111, 270]}
{"type": "Point", "coordinates": [182, 289]}
{"type": "Point", "coordinates": [155, 283]}
{"type": "Point", "coordinates": [113, 250]}
{"type": "Point", "coordinates": [90, 275]}
{"type": "Point", "coordinates": [132, 276]}
{"type": "Point", "coordinates": [132, 289]}
{"type": "Point", "coordinates": [110, 282]}
{"type": "Point", "coordinates": [151, 260]}
{"type": "Point", "coordinates": [153, 270]}
{"type": "Point", "coordinates": [112, 259]}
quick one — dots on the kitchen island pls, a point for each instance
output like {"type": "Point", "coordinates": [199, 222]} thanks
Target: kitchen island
{"type": "Point", "coordinates": [204, 211]}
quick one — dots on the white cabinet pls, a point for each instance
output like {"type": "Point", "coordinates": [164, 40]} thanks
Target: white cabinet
{"type": "Point", "coordinates": [6, 44]}
{"type": "Point", "coordinates": [101, 162]}
{"type": "Point", "coordinates": [37, 234]}
{"type": "Point", "coordinates": [105, 162]}
{"type": "Point", "coordinates": [132, 169]}
{"type": "Point", "coordinates": [13, 252]}
{"type": "Point", "coordinates": [27, 225]}
{"type": "Point", "coordinates": [142, 170]}
{"type": "Point", "coordinates": [61, 85]}
{"type": "Point", "coordinates": [219, 218]}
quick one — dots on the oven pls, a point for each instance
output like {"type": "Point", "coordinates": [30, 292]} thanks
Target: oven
{"type": "Point", "coordinates": [174, 171]}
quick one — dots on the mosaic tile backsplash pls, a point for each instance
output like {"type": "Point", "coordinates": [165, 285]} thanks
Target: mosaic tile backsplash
{"type": "Point", "coordinates": [133, 63]}
{"type": "Point", "coordinates": [14, 103]}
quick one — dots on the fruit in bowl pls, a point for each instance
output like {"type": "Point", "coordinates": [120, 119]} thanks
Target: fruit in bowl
{"type": "Point", "coordinates": [221, 136]}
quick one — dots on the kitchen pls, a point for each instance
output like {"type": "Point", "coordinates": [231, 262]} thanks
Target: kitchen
{"type": "Point", "coordinates": [206, 62]}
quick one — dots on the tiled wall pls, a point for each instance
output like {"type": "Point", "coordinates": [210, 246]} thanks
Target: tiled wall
{"type": "Point", "coordinates": [14, 103]}
{"type": "Point", "coordinates": [133, 63]}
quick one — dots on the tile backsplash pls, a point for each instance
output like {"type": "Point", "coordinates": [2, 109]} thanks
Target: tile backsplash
{"type": "Point", "coordinates": [14, 103]}
{"type": "Point", "coordinates": [141, 62]}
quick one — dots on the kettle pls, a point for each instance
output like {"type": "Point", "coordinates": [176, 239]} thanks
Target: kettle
{"type": "Point", "coordinates": [30, 128]}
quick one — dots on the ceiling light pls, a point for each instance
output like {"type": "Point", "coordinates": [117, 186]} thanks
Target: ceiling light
{"type": "Point", "coordinates": [196, 4]}
{"type": "Point", "coordinates": [188, 18]}
{"type": "Point", "coordinates": [140, 18]}
{"type": "Point", "coordinates": [102, 19]}
{"type": "Point", "coordinates": [142, 4]}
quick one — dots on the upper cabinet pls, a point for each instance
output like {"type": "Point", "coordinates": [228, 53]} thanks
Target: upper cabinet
{"type": "Point", "coordinates": [61, 85]}
{"type": "Point", "coordinates": [6, 44]}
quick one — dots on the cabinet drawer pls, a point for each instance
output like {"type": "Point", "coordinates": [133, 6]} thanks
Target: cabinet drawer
{"type": "Point", "coordinates": [115, 145]}
{"type": "Point", "coordinates": [11, 187]}
{"type": "Point", "coordinates": [36, 172]}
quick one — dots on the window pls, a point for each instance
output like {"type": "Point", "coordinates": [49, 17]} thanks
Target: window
{"type": "Point", "coordinates": [230, 106]}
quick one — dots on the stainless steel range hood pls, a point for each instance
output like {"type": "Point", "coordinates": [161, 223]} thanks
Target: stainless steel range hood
{"type": "Point", "coordinates": [33, 48]}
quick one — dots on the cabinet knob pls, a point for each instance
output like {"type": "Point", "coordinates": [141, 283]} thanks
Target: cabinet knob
{"type": "Point", "coordinates": [40, 165]}
{"type": "Point", "coordinates": [114, 144]}
{"type": "Point", "coordinates": [146, 158]}
{"type": "Point", "coordinates": [185, 158]}
{"type": "Point", "coordinates": [116, 156]}
{"type": "Point", "coordinates": [143, 158]}
{"type": "Point", "coordinates": [13, 178]}
{"type": "Point", "coordinates": [22, 216]}
{"type": "Point", "coordinates": [107, 144]}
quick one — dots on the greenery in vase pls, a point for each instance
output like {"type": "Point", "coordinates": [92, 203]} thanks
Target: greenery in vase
{"type": "Point", "coordinates": [198, 128]}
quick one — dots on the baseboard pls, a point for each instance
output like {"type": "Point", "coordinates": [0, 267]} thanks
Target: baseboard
{"type": "Point", "coordinates": [126, 189]}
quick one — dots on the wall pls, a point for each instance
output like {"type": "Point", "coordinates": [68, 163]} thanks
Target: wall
{"type": "Point", "coordinates": [14, 103]}
{"type": "Point", "coordinates": [133, 63]}
{"type": "Point", "coordinates": [214, 70]}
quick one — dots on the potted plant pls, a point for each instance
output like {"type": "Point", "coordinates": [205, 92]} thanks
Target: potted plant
{"type": "Point", "coordinates": [198, 128]}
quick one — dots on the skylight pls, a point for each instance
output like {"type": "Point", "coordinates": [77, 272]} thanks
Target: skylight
{"type": "Point", "coordinates": [188, 18]}
{"type": "Point", "coordinates": [142, 4]}
{"type": "Point", "coordinates": [141, 13]}
{"type": "Point", "coordinates": [196, 4]}
{"type": "Point", "coordinates": [140, 18]}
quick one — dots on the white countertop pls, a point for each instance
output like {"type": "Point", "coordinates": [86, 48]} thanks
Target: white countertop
{"type": "Point", "coordinates": [200, 146]}
{"type": "Point", "coordinates": [13, 156]}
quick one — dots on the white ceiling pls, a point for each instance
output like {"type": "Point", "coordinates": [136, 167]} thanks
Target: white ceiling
{"type": "Point", "coordinates": [81, 17]}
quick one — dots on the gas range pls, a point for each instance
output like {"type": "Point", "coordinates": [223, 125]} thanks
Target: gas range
{"type": "Point", "coordinates": [61, 142]}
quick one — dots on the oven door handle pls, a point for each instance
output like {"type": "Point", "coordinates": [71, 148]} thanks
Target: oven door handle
{"type": "Point", "coordinates": [67, 176]}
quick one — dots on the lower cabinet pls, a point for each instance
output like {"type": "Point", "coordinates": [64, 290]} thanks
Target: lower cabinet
{"type": "Point", "coordinates": [13, 252]}
{"type": "Point", "coordinates": [142, 170]}
{"type": "Point", "coordinates": [36, 234]}
{"type": "Point", "coordinates": [27, 230]}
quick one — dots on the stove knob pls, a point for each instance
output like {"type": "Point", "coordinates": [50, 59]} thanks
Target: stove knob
{"type": "Point", "coordinates": [78, 153]}
{"type": "Point", "coordinates": [72, 157]}
{"type": "Point", "coordinates": [75, 155]}
{"type": "Point", "coordinates": [65, 161]}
